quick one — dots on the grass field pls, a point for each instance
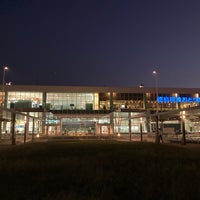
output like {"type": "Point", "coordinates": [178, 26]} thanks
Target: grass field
{"type": "Point", "coordinates": [99, 170]}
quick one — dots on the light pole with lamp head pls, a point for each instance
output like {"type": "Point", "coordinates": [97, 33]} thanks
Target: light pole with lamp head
{"type": "Point", "coordinates": [143, 95]}
{"type": "Point", "coordinates": [2, 103]}
{"type": "Point", "coordinates": [141, 85]}
{"type": "Point", "coordinates": [5, 68]}
{"type": "Point", "coordinates": [182, 116]}
{"type": "Point", "coordinates": [141, 120]}
{"type": "Point", "coordinates": [157, 139]}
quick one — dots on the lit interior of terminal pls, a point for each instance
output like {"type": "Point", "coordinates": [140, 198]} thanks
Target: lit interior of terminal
{"type": "Point", "coordinates": [67, 110]}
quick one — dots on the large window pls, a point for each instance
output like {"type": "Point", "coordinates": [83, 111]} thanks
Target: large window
{"type": "Point", "coordinates": [128, 101]}
{"type": "Point", "coordinates": [33, 98]}
{"type": "Point", "coordinates": [80, 101]}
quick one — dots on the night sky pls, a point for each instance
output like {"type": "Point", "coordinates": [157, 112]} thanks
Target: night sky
{"type": "Point", "coordinates": [101, 42]}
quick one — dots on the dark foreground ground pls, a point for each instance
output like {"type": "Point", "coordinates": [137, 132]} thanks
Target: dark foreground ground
{"type": "Point", "coordinates": [99, 170]}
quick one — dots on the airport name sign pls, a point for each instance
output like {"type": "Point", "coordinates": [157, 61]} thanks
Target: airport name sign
{"type": "Point", "coordinates": [171, 99]}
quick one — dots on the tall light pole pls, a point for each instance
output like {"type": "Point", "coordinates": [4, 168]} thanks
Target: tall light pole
{"type": "Point", "coordinates": [157, 139]}
{"type": "Point", "coordinates": [141, 120]}
{"type": "Point", "coordinates": [143, 95]}
{"type": "Point", "coordinates": [182, 116]}
{"type": "Point", "coordinates": [5, 68]}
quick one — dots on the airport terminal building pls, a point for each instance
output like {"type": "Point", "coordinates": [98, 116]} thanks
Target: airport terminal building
{"type": "Point", "coordinates": [77, 110]}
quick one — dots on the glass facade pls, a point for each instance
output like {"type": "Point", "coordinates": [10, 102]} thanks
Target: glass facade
{"type": "Point", "coordinates": [121, 122]}
{"type": "Point", "coordinates": [24, 99]}
{"type": "Point", "coordinates": [117, 108]}
{"type": "Point", "coordinates": [72, 101]}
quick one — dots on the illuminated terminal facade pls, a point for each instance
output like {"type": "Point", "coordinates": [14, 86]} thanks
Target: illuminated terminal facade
{"type": "Point", "coordinates": [76, 110]}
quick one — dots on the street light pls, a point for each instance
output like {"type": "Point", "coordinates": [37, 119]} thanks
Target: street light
{"type": "Point", "coordinates": [182, 116]}
{"type": "Point", "coordinates": [155, 74]}
{"type": "Point", "coordinates": [143, 95]}
{"type": "Point", "coordinates": [129, 124]}
{"type": "Point", "coordinates": [141, 85]}
{"type": "Point", "coordinates": [141, 120]}
{"type": "Point", "coordinates": [5, 68]}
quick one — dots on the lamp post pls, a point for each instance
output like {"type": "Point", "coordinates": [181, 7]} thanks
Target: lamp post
{"type": "Point", "coordinates": [129, 124]}
{"type": "Point", "coordinates": [182, 116]}
{"type": "Point", "coordinates": [5, 68]}
{"type": "Point", "coordinates": [157, 139]}
{"type": "Point", "coordinates": [141, 138]}
{"type": "Point", "coordinates": [141, 85]}
{"type": "Point", "coordinates": [2, 102]}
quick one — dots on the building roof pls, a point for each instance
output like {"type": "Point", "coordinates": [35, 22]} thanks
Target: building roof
{"type": "Point", "coordinates": [47, 88]}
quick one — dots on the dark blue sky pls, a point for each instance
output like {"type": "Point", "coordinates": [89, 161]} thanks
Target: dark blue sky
{"type": "Point", "coordinates": [101, 42]}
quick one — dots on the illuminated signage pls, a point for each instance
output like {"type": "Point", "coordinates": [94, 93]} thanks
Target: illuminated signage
{"type": "Point", "coordinates": [171, 99]}
{"type": "Point", "coordinates": [52, 121]}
